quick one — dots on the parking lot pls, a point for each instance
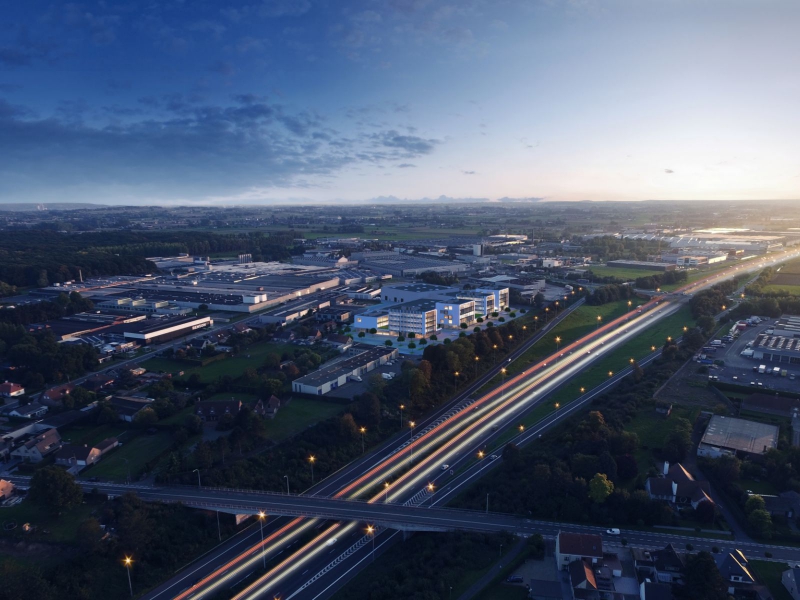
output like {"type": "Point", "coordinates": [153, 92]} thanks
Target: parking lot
{"type": "Point", "coordinates": [354, 388]}
{"type": "Point", "coordinates": [738, 369]}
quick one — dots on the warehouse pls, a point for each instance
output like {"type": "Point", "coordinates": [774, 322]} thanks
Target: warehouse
{"type": "Point", "coordinates": [777, 349]}
{"type": "Point", "coordinates": [153, 331]}
{"type": "Point", "coordinates": [327, 379]}
{"type": "Point", "coordinates": [402, 265]}
{"type": "Point", "coordinates": [726, 435]}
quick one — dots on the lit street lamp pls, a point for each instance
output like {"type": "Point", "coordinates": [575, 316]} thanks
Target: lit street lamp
{"type": "Point", "coordinates": [261, 516]}
{"type": "Point", "coordinates": [558, 342]}
{"type": "Point", "coordinates": [476, 366]}
{"type": "Point", "coordinates": [503, 373]}
{"type": "Point", "coordinates": [494, 354]}
{"type": "Point", "coordinates": [363, 430]}
{"type": "Point", "coordinates": [521, 428]}
{"type": "Point", "coordinates": [599, 318]}
{"type": "Point", "coordinates": [128, 562]}
{"type": "Point", "coordinates": [411, 424]}
{"type": "Point", "coordinates": [311, 460]}
{"type": "Point", "coordinates": [402, 407]}
{"type": "Point", "coordinates": [371, 531]}
{"type": "Point", "coordinates": [557, 405]}
{"type": "Point", "coordinates": [611, 373]}
{"type": "Point", "coordinates": [535, 322]}
{"type": "Point", "coordinates": [524, 330]}
{"type": "Point", "coordinates": [386, 490]}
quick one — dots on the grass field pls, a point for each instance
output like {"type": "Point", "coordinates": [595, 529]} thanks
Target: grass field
{"type": "Point", "coordinates": [626, 274]}
{"type": "Point", "coordinates": [252, 357]}
{"type": "Point", "coordinates": [770, 575]}
{"type": "Point", "coordinates": [92, 434]}
{"type": "Point", "coordinates": [299, 414]}
{"type": "Point", "coordinates": [62, 528]}
{"type": "Point", "coordinates": [793, 290]}
{"type": "Point", "coordinates": [138, 451]}
{"type": "Point", "coordinates": [652, 430]}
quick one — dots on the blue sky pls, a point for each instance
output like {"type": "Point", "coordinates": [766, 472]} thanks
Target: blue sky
{"type": "Point", "coordinates": [165, 101]}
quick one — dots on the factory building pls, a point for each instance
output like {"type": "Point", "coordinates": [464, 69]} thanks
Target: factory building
{"type": "Point", "coordinates": [727, 435]}
{"type": "Point", "coordinates": [327, 379]}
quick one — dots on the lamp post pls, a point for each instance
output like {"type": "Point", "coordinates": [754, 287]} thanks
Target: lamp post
{"type": "Point", "coordinates": [371, 531]}
{"type": "Point", "coordinates": [286, 477]}
{"type": "Point", "coordinates": [599, 318]}
{"type": "Point", "coordinates": [386, 491]}
{"type": "Point", "coordinates": [494, 354]}
{"type": "Point", "coordinates": [128, 562]}
{"type": "Point", "coordinates": [402, 408]}
{"type": "Point", "coordinates": [629, 304]}
{"type": "Point", "coordinates": [362, 431]}
{"type": "Point", "coordinates": [487, 503]}
{"type": "Point", "coordinates": [535, 321]}
{"type": "Point", "coordinates": [503, 373]}
{"type": "Point", "coordinates": [455, 381]}
{"type": "Point", "coordinates": [583, 390]}
{"type": "Point", "coordinates": [261, 516]}
{"type": "Point", "coordinates": [411, 424]}
{"type": "Point", "coordinates": [476, 366]}
{"type": "Point", "coordinates": [198, 477]}
{"type": "Point", "coordinates": [611, 373]}
{"type": "Point", "coordinates": [558, 343]}
{"type": "Point", "coordinates": [311, 460]}
{"type": "Point", "coordinates": [521, 428]}
{"type": "Point", "coordinates": [556, 303]}
{"type": "Point", "coordinates": [547, 314]}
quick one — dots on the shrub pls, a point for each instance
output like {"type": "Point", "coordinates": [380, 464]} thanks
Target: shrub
{"type": "Point", "coordinates": [768, 554]}
{"type": "Point", "coordinates": [495, 313]}
{"type": "Point", "coordinates": [689, 547]}
{"type": "Point", "coordinates": [412, 345]}
{"type": "Point", "coordinates": [714, 549]}
{"type": "Point", "coordinates": [388, 343]}
{"type": "Point", "coordinates": [373, 330]}
{"type": "Point", "coordinates": [464, 326]}
{"type": "Point", "coordinates": [462, 334]}
{"type": "Point", "coordinates": [479, 319]}
{"type": "Point", "coordinates": [508, 309]}
{"type": "Point", "coordinates": [490, 324]}
{"type": "Point", "coordinates": [502, 319]}
{"type": "Point", "coordinates": [513, 314]}
{"type": "Point", "coordinates": [434, 338]}
{"type": "Point", "coordinates": [401, 338]}
{"type": "Point", "coordinates": [477, 330]}
{"type": "Point", "coordinates": [411, 335]}
{"type": "Point", "coordinates": [423, 341]}
{"type": "Point", "coordinates": [446, 340]}
{"type": "Point", "coordinates": [361, 334]}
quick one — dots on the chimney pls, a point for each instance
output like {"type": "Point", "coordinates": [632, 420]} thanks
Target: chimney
{"type": "Point", "coordinates": [666, 467]}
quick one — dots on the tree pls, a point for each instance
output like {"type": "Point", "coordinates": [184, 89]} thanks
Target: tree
{"type": "Point", "coordinates": [600, 488]}
{"type": "Point", "coordinates": [146, 417]}
{"type": "Point", "coordinates": [703, 580]}
{"type": "Point", "coordinates": [55, 489]}
{"type": "Point", "coordinates": [760, 522]}
{"type": "Point", "coordinates": [706, 324]}
{"type": "Point", "coordinates": [627, 468]}
{"type": "Point", "coordinates": [88, 535]}
{"type": "Point", "coordinates": [538, 300]}
{"type": "Point", "coordinates": [705, 512]}
{"type": "Point", "coordinates": [754, 502]}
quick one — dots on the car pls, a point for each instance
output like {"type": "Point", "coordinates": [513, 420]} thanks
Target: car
{"type": "Point", "coordinates": [613, 531]}
{"type": "Point", "coordinates": [752, 383]}
{"type": "Point", "coordinates": [735, 378]}
{"type": "Point", "coordinates": [493, 457]}
{"type": "Point", "coordinates": [331, 541]}
{"type": "Point", "coordinates": [445, 467]}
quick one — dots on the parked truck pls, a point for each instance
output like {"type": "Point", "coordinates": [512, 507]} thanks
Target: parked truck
{"type": "Point", "coordinates": [762, 368]}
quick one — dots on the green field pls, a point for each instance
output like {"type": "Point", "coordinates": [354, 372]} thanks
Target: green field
{"type": "Point", "coordinates": [61, 528]}
{"type": "Point", "coordinates": [652, 430]}
{"type": "Point", "coordinates": [623, 273]}
{"type": "Point", "coordinates": [250, 358]}
{"type": "Point", "coordinates": [793, 290]}
{"type": "Point", "coordinates": [139, 451]}
{"type": "Point", "coordinates": [769, 573]}
{"type": "Point", "coordinates": [92, 434]}
{"type": "Point", "coordinates": [298, 415]}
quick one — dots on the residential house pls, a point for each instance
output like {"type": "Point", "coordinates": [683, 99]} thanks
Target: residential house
{"type": "Point", "coordinates": [34, 410]}
{"type": "Point", "coordinates": [315, 336]}
{"type": "Point", "coordinates": [577, 546]}
{"type": "Point", "coordinates": [735, 570]}
{"type": "Point", "coordinates": [127, 407]}
{"type": "Point", "coordinates": [107, 445]}
{"type": "Point", "coordinates": [664, 566]}
{"type": "Point", "coordinates": [55, 395]}
{"type": "Point", "coordinates": [214, 410]}
{"type": "Point", "coordinates": [79, 457]}
{"type": "Point", "coordinates": [284, 335]}
{"type": "Point", "coordinates": [342, 342]}
{"type": "Point", "coordinates": [98, 382]}
{"type": "Point", "coordinates": [6, 490]}
{"type": "Point", "coordinates": [790, 579]}
{"type": "Point", "coordinates": [272, 406]}
{"type": "Point", "coordinates": [39, 446]}
{"type": "Point", "coordinates": [786, 504]}
{"type": "Point", "coordinates": [218, 337]}
{"type": "Point", "coordinates": [241, 328]}
{"type": "Point", "coordinates": [11, 390]}
{"type": "Point", "coordinates": [583, 583]}
{"type": "Point", "coordinates": [678, 487]}
{"type": "Point", "coordinates": [199, 344]}
{"type": "Point", "coordinates": [650, 590]}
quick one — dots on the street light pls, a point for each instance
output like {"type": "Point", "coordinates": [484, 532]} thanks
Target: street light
{"type": "Point", "coordinates": [521, 428]}
{"type": "Point", "coordinates": [261, 516]}
{"type": "Point", "coordinates": [652, 348]}
{"type": "Point", "coordinates": [583, 389]}
{"type": "Point", "coordinates": [631, 361]}
{"type": "Point", "coordinates": [386, 490]}
{"type": "Point", "coordinates": [411, 424]}
{"type": "Point", "coordinates": [599, 318]}
{"type": "Point", "coordinates": [311, 460]}
{"type": "Point", "coordinates": [611, 373]}
{"type": "Point", "coordinates": [430, 487]}
{"type": "Point", "coordinates": [524, 330]}
{"type": "Point", "coordinates": [371, 531]}
{"type": "Point", "coordinates": [535, 322]}
{"type": "Point", "coordinates": [558, 342]}
{"type": "Point", "coordinates": [557, 405]}
{"type": "Point", "coordinates": [476, 366]}
{"type": "Point", "coordinates": [198, 477]}
{"type": "Point", "coordinates": [128, 562]}
{"type": "Point", "coordinates": [685, 329]}
{"type": "Point", "coordinates": [669, 338]}
{"type": "Point", "coordinates": [480, 454]}
{"type": "Point", "coordinates": [629, 304]}
{"type": "Point", "coordinates": [455, 381]}
{"type": "Point", "coordinates": [402, 408]}
{"type": "Point", "coordinates": [363, 430]}
{"type": "Point", "coordinates": [503, 373]}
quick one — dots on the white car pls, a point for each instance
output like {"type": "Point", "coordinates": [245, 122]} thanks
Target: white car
{"type": "Point", "coordinates": [445, 467]}
{"type": "Point", "coordinates": [331, 542]}
{"type": "Point", "coordinates": [613, 531]}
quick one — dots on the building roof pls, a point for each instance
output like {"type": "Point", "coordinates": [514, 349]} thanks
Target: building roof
{"type": "Point", "coordinates": [581, 575]}
{"type": "Point", "coordinates": [29, 409]}
{"type": "Point", "coordinates": [419, 287]}
{"type": "Point", "coordinates": [656, 591]}
{"type": "Point", "coordinates": [580, 544]}
{"type": "Point", "coordinates": [6, 488]}
{"type": "Point", "coordinates": [669, 559]}
{"type": "Point", "coordinates": [106, 444]}
{"type": "Point", "coordinates": [8, 387]}
{"type": "Point", "coordinates": [217, 408]}
{"type": "Point", "coordinates": [339, 339]}
{"type": "Point", "coordinates": [740, 434]}
{"type": "Point", "coordinates": [64, 418]}
{"type": "Point", "coordinates": [44, 441]}
{"type": "Point", "coordinates": [414, 306]}
{"type": "Point", "coordinates": [59, 391]}
{"type": "Point", "coordinates": [273, 403]}
{"type": "Point", "coordinates": [73, 451]}
{"type": "Point", "coordinates": [344, 367]}
{"type": "Point", "coordinates": [735, 564]}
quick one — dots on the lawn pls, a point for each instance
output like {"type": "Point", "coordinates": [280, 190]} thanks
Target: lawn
{"type": "Point", "coordinates": [626, 274]}
{"type": "Point", "coordinates": [652, 430]}
{"type": "Point", "coordinates": [251, 357]}
{"type": "Point", "coordinates": [299, 414]}
{"type": "Point", "coordinates": [770, 575]}
{"type": "Point", "coordinates": [759, 487]}
{"type": "Point", "coordinates": [92, 434]}
{"type": "Point", "coordinates": [62, 528]}
{"type": "Point", "coordinates": [138, 451]}
{"type": "Point", "coordinates": [794, 290]}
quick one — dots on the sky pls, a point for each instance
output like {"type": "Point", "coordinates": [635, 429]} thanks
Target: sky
{"type": "Point", "coordinates": [260, 101]}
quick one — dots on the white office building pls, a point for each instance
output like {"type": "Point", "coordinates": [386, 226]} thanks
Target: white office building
{"type": "Point", "coordinates": [419, 317]}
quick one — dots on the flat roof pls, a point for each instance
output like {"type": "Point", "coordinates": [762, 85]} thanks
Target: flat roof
{"type": "Point", "coordinates": [777, 343]}
{"type": "Point", "coordinates": [324, 375]}
{"type": "Point", "coordinates": [740, 434]}
{"type": "Point", "coordinates": [152, 325]}
{"type": "Point", "coordinates": [414, 306]}
{"type": "Point", "coordinates": [419, 287]}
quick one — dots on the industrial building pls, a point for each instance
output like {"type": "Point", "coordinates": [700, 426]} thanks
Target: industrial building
{"type": "Point", "coordinates": [727, 435]}
{"type": "Point", "coordinates": [418, 317]}
{"type": "Point", "coordinates": [152, 331]}
{"type": "Point", "coordinates": [363, 360]}
{"type": "Point", "coordinates": [777, 348]}
{"type": "Point", "coordinates": [641, 264]}
{"type": "Point", "coordinates": [407, 265]}
{"type": "Point", "coordinates": [788, 326]}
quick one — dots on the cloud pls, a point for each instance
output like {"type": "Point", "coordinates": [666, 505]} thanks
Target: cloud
{"type": "Point", "coordinates": [195, 151]}
{"type": "Point", "coordinates": [406, 166]}
{"type": "Point", "coordinates": [411, 145]}
{"type": "Point", "coordinates": [668, 171]}
{"type": "Point", "coordinates": [25, 51]}
{"type": "Point", "coordinates": [469, 172]}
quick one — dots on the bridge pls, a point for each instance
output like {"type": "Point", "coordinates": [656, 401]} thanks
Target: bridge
{"type": "Point", "coordinates": [252, 502]}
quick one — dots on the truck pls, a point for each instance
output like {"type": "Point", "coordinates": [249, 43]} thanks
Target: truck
{"type": "Point", "coordinates": [776, 371]}
{"type": "Point", "coordinates": [762, 368]}
{"type": "Point", "coordinates": [709, 349]}
{"type": "Point", "coordinates": [387, 376]}
{"type": "Point", "coordinates": [716, 342]}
